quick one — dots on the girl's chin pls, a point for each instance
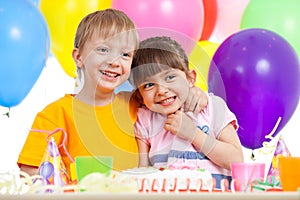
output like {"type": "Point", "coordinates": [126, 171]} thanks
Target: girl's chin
{"type": "Point", "coordinates": [168, 111]}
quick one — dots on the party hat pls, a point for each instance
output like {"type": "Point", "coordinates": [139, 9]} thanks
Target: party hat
{"type": "Point", "coordinates": [280, 150]}
{"type": "Point", "coordinates": [52, 168]}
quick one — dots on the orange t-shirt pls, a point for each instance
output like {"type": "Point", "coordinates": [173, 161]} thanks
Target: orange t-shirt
{"type": "Point", "coordinates": [91, 130]}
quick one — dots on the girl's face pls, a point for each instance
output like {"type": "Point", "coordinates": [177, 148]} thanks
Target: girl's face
{"type": "Point", "coordinates": [165, 92]}
{"type": "Point", "coordinates": [105, 63]}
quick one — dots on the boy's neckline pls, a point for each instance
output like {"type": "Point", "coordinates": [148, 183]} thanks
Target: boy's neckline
{"type": "Point", "coordinates": [90, 102]}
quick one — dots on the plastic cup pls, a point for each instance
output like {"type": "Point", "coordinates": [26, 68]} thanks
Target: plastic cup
{"type": "Point", "coordinates": [289, 171]}
{"type": "Point", "coordinates": [244, 173]}
{"type": "Point", "coordinates": [90, 164]}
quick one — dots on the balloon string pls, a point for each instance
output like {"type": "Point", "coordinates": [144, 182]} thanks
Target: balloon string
{"type": "Point", "coordinates": [63, 142]}
{"type": "Point", "coordinates": [268, 145]}
{"type": "Point", "coordinates": [270, 135]}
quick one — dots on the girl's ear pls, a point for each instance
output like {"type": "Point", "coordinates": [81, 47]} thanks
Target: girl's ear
{"type": "Point", "coordinates": [192, 77]}
{"type": "Point", "coordinates": [77, 58]}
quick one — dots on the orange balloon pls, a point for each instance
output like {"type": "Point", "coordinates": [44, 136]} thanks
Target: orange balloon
{"type": "Point", "coordinates": [63, 17]}
{"type": "Point", "coordinates": [210, 18]}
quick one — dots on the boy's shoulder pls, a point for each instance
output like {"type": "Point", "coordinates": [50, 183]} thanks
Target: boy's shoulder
{"type": "Point", "coordinates": [64, 101]}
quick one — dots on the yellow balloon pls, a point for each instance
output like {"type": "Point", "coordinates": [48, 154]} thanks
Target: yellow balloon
{"type": "Point", "coordinates": [63, 17]}
{"type": "Point", "coordinates": [200, 59]}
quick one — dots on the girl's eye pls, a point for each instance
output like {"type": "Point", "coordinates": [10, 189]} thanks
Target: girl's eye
{"type": "Point", "coordinates": [148, 85]}
{"type": "Point", "coordinates": [170, 77]}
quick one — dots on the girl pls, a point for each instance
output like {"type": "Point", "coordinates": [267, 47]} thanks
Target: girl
{"type": "Point", "coordinates": [169, 137]}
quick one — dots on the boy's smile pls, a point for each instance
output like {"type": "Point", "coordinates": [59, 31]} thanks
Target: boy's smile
{"type": "Point", "coordinates": [109, 75]}
{"type": "Point", "coordinates": [107, 62]}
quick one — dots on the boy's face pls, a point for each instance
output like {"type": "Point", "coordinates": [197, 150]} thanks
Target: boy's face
{"type": "Point", "coordinates": [166, 91]}
{"type": "Point", "coordinates": [106, 63]}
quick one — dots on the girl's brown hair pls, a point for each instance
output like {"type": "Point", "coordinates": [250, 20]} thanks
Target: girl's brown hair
{"type": "Point", "coordinates": [154, 55]}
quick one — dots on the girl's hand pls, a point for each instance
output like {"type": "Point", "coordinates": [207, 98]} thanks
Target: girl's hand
{"type": "Point", "coordinates": [197, 100]}
{"type": "Point", "coordinates": [181, 125]}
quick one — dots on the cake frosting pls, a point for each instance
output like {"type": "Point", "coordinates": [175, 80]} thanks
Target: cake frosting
{"type": "Point", "coordinates": [171, 180]}
{"type": "Point", "coordinates": [114, 183]}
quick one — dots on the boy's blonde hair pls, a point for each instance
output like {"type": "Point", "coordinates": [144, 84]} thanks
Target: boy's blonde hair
{"type": "Point", "coordinates": [154, 55]}
{"type": "Point", "coordinates": [105, 24]}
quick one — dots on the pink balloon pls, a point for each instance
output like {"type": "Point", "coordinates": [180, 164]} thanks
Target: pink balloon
{"type": "Point", "coordinates": [229, 16]}
{"type": "Point", "coordinates": [182, 20]}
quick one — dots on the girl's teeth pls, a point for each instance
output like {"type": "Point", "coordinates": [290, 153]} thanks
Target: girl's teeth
{"type": "Point", "coordinates": [167, 100]}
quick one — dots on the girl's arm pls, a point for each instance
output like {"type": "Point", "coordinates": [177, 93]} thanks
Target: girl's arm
{"type": "Point", "coordinates": [143, 153]}
{"type": "Point", "coordinates": [224, 150]}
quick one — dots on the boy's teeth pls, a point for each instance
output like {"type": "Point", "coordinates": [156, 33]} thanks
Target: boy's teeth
{"type": "Point", "coordinates": [109, 74]}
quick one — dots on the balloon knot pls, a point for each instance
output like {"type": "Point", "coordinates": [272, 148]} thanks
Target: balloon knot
{"type": "Point", "coordinates": [253, 156]}
{"type": "Point", "coordinates": [7, 114]}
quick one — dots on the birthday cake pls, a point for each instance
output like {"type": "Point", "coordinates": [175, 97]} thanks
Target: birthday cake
{"type": "Point", "coordinates": [171, 180]}
{"type": "Point", "coordinates": [149, 180]}
{"type": "Point", "coordinates": [136, 180]}
{"type": "Point", "coordinates": [113, 183]}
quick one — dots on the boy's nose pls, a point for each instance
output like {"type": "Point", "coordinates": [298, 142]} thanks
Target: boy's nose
{"type": "Point", "coordinates": [114, 60]}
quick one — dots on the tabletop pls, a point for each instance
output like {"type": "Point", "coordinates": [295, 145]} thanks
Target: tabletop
{"type": "Point", "coordinates": [162, 196]}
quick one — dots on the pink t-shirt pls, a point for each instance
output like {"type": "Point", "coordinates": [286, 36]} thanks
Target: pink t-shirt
{"type": "Point", "coordinates": [168, 150]}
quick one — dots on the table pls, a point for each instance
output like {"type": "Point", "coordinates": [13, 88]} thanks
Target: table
{"type": "Point", "coordinates": [145, 196]}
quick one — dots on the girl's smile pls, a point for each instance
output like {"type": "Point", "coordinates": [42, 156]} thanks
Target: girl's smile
{"type": "Point", "coordinates": [166, 91]}
{"type": "Point", "coordinates": [167, 101]}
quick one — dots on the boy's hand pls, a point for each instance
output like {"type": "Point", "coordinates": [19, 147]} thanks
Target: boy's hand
{"type": "Point", "coordinates": [181, 125]}
{"type": "Point", "coordinates": [197, 100]}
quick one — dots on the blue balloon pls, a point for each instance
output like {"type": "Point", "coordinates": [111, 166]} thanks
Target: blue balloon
{"type": "Point", "coordinates": [125, 87]}
{"type": "Point", "coordinates": [36, 2]}
{"type": "Point", "coordinates": [24, 40]}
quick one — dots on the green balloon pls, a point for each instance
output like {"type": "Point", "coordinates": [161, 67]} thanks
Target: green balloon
{"type": "Point", "coordinates": [280, 16]}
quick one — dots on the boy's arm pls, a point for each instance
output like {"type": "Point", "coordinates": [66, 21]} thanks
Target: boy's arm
{"type": "Point", "coordinates": [197, 100]}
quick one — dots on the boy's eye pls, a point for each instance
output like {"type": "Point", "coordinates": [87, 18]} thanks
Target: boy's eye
{"type": "Point", "coordinates": [127, 54]}
{"type": "Point", "coordinates": [102, 49]}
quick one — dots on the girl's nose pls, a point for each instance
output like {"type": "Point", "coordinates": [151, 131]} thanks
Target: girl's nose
{"type": "Point", "coordinates": [161, 89]}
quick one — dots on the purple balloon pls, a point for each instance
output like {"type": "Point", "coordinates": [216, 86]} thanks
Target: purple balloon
{"type": "Point", "coordinates": [257, 73]}
{"type": "Point", "coordinates": [46, 169]}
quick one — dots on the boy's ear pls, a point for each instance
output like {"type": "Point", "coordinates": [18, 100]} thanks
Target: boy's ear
{"type": "Point", "coordinates": [192, 75]}
{"type": "Point", "coordinates": [77, 58]}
